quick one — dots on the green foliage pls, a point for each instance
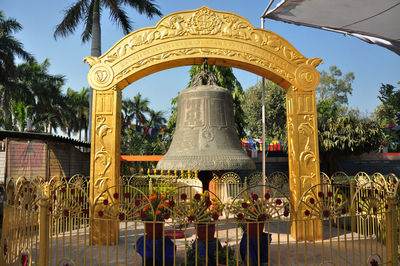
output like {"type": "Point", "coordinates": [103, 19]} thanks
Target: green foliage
{"type": "Point", "coordinates": [386, 114]}
{"type": "Point", "coordinates": [223, 252]}
{"type": "Point", "coordinates": [335, 86]}
{"type": "Point", "coordinates": [275, 114]}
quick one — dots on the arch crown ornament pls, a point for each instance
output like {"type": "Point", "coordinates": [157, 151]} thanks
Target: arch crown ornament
{"type": "Point", "coordinates": [186, 38]}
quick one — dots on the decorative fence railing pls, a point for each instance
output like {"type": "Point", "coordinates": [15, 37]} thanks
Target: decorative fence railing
{"type": "Point", "coordinates": [351, 222]}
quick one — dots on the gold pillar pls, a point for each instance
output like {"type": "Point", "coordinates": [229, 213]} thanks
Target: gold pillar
{"type": "Point", "coordinates": [301, 111]}
{"type": "Point", "coordinates": [105, 161]}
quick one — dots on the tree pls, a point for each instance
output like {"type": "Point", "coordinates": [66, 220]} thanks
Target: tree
{"type": "Point", "coordinates": [89, 13]}
{"type": "Point", "coordinates": [341, 130]}
{"type": "Point", "coordinates": [275, 116]}
{"type": "Point", "coordinates": [10, 48]}
{"type": "Point", "coordinates": [225, 79]}
{"type": "Point", "coordinates": [335, 86]}
{"type": "Point", "coordinates": [388, 115]}
{"type": "Point", "coordinates": [77, 117]}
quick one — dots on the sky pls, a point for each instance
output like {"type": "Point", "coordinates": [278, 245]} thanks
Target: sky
{"type": "Point", "coordinates": [371, 64]}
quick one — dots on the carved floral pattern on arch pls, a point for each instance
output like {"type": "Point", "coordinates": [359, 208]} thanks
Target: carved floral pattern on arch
{"type": "Point", "coordinates": [273, 66]}
{"type": "Point", "coordinates": [203, 21]}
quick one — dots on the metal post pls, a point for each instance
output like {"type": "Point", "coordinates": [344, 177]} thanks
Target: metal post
{"type": "Point", "coordinates": [263, 123]}
{"type": "Point", "coordinates": [353, 221]}
{"type": "Point", "coordinates": [43, 232]}
{"type": "Point", "coordinates": [391, 233]}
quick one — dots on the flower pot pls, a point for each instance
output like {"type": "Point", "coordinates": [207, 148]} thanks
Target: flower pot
{"type": "Point", "coordinates": [205, 232]}
{"type": "Point", "coordinates": [153, 230]}
{"type": "Point", "coordinates": [252, 227]}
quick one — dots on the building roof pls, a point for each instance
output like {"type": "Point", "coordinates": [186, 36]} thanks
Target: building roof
{"type": "Point", "coordinates": [42, 136]}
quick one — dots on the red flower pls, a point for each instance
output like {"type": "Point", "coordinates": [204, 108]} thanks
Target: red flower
{"type": "Point", "coordinates": [278, 202]}
{"type": "Point", "coordinates": [80, 199]}
{"type": "Point", "coordinates": [26, 206]}
{"type": "Point", "coordinates": [137, 203]}
{"type": "Point", "coordinates": [127, 195]}
{"type": "Point", "coordinates": [36, 207]}
{"type": "Point", "coordinates": [105, 202]}
{"type": "Point", "coordinates": [85, 211]}
{"type": "Point", "coordinates": [50, 209]}
{"type": "Point", "coordinates": [263, 217]}
{"type": "Point", "coordinates": [72, 191]}
{"type": "Point", "coordinates": [208, 203]}
{"type": "Point", "coordinates": [166, 216]}
{"type": "Point", "coordinates": [116, 195]}
{"type": "Point", "coordinates": [307, 213]}
{"type": "Point", "coordinates": [321, 194]}
{"type": "Point", "coordinates": [66, 213]}
{"type": "Point", "coordinates": [172, 203]}
{"type": "Point", "coordinates": [24, 259]}
{"type": "Point", "coordinates": [326, 213]}
{"type": "Point", "coordinates": [143, 215]}
{"type": "Point", "coordinates": [338, 200]}
{"type": "Point", "coordinates": [190, 219]}
{"type": "Point", "coordinates": [344, 211]}
{"type": "Point", "coordinates": [5, 249]}
{"type": "Point", "coordinates": [245, 205]}
{"type": "Point", "coordinates": [215, 216]}
{"type": "Point", "coordinates": [240, 216]}
{"type": "Point", "coordinates": [121, 216]}
{"type": "Point", "coordinates": [100, 213]}
{"type": "Point", "coordinates": [197, 196]}
{"type": "Point", "coordinates": [183, 196]}
{"type": "Point", "coordinates": [286, 213]}
{"type": "Point", "coordinates": [267, 196]}
{"type": "Point", "coordinates": [255, 197]}
{"type": "Point", "coordinates": [330, 194]}
{"type": "Point", "coordinates": [54, 197]}
{"type": "Point", "coordinates": [312, 200]}
{"type": "Point", "coordinates": [63, 189]}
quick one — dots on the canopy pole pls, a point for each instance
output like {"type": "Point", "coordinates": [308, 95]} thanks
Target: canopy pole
{"type": "Point", "coordinates": [263, 119]}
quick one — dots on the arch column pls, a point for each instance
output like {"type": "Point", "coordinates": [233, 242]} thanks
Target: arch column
{"type": "Point", "coordinates": [303, 153]}
{"type": "Point", "coordinates": [105, 160]}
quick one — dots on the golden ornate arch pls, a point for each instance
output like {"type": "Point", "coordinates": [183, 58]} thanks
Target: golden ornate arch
{"type": "Point", "coordinates": [185, 38]}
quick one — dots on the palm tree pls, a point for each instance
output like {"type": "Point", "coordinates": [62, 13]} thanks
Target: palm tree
{"type": "Point", "coordinates": [156, 117]}
{"type": "Point", "coordinates": [89, 12]}
{"type": "Point", "coordinates": [77, 116]}
{"type": "Point", "coordinates": [10, 48]}
{"type": "Point", "coordinates": [22, 113]}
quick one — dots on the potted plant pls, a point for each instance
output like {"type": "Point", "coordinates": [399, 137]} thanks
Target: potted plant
{"type": "Point", "coordinates": [155, 211]}
{"type": "Point", "coordinates": [253, 212]}
{"type": "Point", "coordinates": [202, 211]}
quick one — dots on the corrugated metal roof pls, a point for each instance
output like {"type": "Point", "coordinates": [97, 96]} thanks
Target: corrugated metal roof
{"type": "Point", "coordinates": [42, 136]}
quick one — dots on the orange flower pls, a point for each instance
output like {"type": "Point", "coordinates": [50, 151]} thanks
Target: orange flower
{"type": "Point", "coordinates": [152, 198]}
{"type": "Point", "coordinates": [144, 199]}
{"type": "Point", "coordinates": [160, 206]}
{"type": "Point", "coordinates": [158, 212]}
{"type": "Point", "coordinates": [166, 203]}
{"type": "Point", "coordinates": [153, 195]}
{"type": "Point", "coordinates": [253, 209]}
{"type": "Point", "coordinates": [146, 207]}
{"type": "Point", "coordinates": [162, 196]}
{"type": "Point", "coordinates": [177, 212]}
{"type": "Point", "coordinates": [268, 190]}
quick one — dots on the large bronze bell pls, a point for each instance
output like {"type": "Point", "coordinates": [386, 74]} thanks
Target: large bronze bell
{"type": "Point", "coordinates": [205, 137]}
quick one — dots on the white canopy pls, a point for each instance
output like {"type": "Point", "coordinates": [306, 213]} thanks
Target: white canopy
{"type": "Point", "coordinates": [372, 21]}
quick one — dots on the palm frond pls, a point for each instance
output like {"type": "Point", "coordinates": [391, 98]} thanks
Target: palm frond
{"type": "Point", "coordinates": [73, 15]}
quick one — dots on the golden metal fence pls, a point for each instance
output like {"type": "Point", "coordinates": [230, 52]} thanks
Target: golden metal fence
{"type": "Point", "coordinates": [51, 223]}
